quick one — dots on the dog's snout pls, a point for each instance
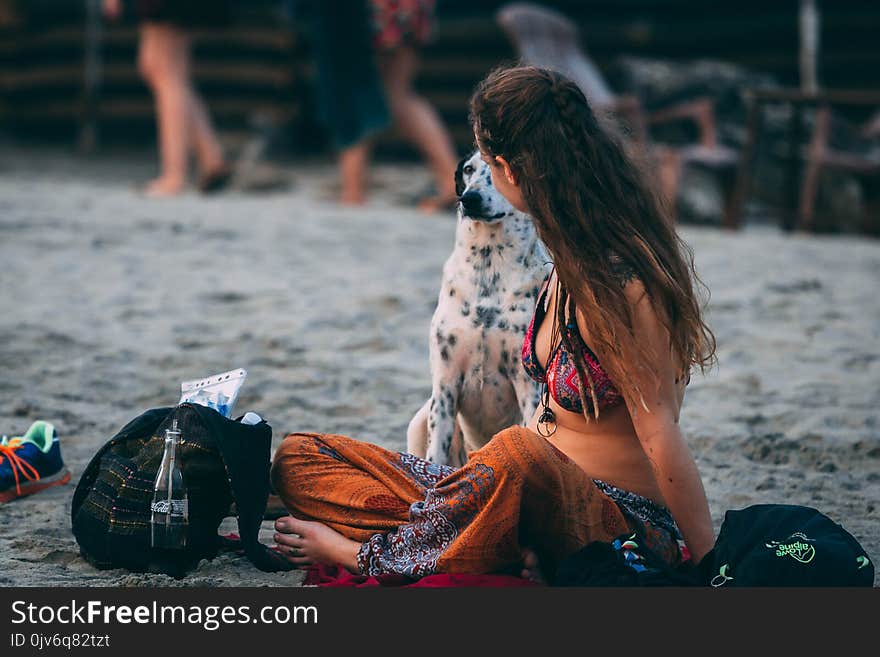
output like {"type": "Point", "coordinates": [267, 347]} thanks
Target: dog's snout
{"type": "Point", "coordinates": [471, 202]}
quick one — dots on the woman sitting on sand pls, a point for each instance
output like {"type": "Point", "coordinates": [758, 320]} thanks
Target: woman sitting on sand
{"type": "Point", "coordinates": [616, 331]}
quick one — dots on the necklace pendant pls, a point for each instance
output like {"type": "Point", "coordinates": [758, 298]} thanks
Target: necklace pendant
{"type": "Point", "coordinates": [547, 423]}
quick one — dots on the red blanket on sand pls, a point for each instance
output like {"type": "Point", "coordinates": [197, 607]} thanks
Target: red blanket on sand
{"type": "Point", "coordinates": [321, 575]}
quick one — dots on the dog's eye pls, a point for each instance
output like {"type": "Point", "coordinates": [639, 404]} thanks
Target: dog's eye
{"type": "Point", "coordinates": [468, 169]}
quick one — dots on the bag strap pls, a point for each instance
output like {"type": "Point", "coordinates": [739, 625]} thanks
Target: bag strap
{"type": "Point", "coordinates": [245, 450]}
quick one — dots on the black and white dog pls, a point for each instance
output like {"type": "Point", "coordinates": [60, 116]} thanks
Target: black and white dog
{"type": "Point", "coordinates": [487, 297]}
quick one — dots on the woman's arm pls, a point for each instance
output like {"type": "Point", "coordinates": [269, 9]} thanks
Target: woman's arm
{"type": "Point", "coordinates": [660, 435]}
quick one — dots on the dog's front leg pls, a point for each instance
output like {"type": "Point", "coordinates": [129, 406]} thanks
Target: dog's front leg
{"type": "Point", "coordinates": [417, 432]}
{"type": "Point", "coordinates": [442, 411]}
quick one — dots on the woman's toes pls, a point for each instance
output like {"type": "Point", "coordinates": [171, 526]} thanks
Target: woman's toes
{"type": "Point", "coordinates": [531, 567]}
{"type": "Point", "coordinates": [286, 535]}
{"type": "Point", "coordinates": [309, 541]}
{"type": "Point", "coordinates": [290, 525]}
{"type": "Point", "coordinates": [290, 545]}
{"type": "Point", "coordinates": [282, 524]}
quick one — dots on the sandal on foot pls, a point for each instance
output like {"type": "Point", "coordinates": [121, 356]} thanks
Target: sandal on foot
{"type": "Point", "coordinates": [215, 181]}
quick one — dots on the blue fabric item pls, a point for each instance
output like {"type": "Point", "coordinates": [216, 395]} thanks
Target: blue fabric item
{"type": "Point", "coordinates": [640, 507]}
{"type": "Point", "coordinates": [626, 561]}
{"type": "Point", "coordinates": [351, 100]}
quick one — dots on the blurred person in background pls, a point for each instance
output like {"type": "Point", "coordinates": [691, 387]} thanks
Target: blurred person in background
{"type": "Point", "coordinates": [351, 99]}
{"type": "Point", "coordinates": [400, 28]}
{"type": "Point", "coordinates": [353, 41]}
{"type": "Point", "coordinates": [183, 122]}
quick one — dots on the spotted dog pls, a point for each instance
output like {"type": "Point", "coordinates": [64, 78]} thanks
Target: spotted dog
{"type": "Point", "coordinates": [487, 297]}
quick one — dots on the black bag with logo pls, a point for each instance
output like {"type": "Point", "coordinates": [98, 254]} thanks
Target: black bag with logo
{"type": "Point", "coordinates": [223, 461]}
{"type": "Point", "coordinates": [785, 545]}
{"type": "Point", "coordinates": [760, 545]}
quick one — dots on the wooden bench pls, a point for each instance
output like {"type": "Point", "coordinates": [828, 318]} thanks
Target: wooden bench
{"type": "Point", "coordinates": [544, 37]}
{"type": "Point", "coordinates": [804, 167]}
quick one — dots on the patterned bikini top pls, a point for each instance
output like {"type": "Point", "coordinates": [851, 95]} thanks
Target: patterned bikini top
{"type": "Point", "coordinates": [561, 375]}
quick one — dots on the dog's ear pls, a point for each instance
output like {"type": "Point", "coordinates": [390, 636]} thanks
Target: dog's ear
{"type": "Point", "coordinates": [459, 178]}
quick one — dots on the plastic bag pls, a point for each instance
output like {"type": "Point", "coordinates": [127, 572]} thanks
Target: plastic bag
{"type": "Point", "coordinates": [218, 391]}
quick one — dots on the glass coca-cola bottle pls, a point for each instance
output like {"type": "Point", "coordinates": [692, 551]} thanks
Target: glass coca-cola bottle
{"type": "Point", "coordinates": [170, 512]}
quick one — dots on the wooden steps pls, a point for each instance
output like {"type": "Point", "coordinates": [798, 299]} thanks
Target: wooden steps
{"type": "Point", "coordinates": [262, 63]}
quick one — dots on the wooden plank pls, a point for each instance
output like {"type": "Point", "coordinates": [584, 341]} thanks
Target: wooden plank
{"type": "Point", "coordinates": [837, 96]}
{"type": "Point", "coordinates": [233, 73]}
{"type": "Point", "coordinates": [850, 162]}
{"type": "Point", "coordinates": [266, 57]}
{"type": "Point", "coordinates": [143, 109]}
{"type": "Point", "coordinates": [456, 66]}
{"type": "Point", "coordinates": [72, 37]}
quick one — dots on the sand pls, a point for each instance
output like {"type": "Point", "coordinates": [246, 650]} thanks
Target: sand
{"type": "Point", "coordinates": [109, 301]}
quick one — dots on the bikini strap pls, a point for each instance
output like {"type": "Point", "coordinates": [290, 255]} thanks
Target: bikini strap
{"type": "Point", "coordinates": [544, 287]}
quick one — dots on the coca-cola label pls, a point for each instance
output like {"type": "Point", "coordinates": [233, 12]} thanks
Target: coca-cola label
{"type": "Point", "coordinates": [174, 507]}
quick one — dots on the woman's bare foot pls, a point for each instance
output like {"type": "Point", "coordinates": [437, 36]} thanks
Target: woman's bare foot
{"type": "Point", "coordinates": [163, 187]}
{"type": "Point", "coordinates": [353, 173]}
{"type": "Point", "coordinates": [305, 543]}
{"type": "Point", "coordinates": [352, 197]}
{"type": "Point", "coordinates": [531, 568]}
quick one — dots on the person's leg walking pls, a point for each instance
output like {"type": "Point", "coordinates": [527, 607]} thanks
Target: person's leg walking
{"type": "Point", "coordinates": [351, 99]}
{"type": "Point", "coordinates": [162, 61]}
{"type": "Point", "coordinates": [207, 145]}
{"type": "Point", "coordinates": [418, 121]}
{"type": "Point", "coordinates": [209, 152]}
{"type": "Point", "coordinates": [353, 173]}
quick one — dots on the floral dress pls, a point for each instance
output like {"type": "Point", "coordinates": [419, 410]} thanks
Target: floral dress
{"type": "Point", "coordinates": [402, 22]}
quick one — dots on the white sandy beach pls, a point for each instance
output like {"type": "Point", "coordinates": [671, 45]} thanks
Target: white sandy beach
{"type": "Point", "coordinates": [109, 301]}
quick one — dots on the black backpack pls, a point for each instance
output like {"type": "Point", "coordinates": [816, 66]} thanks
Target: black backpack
{"type": "Point", "coordinates": [223, 462]}
{"type": "Point", "coordinates": [760, 545]}
{"type": "Point", "coordinates": [784, 545]}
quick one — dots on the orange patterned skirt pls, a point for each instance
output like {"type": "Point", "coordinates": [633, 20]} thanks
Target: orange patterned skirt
{"type": "Point", "coordinates": [417, 518]}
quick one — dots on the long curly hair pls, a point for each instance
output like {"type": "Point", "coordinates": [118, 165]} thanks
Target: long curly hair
{"type": "Point", "coordinates": [595, 211]}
